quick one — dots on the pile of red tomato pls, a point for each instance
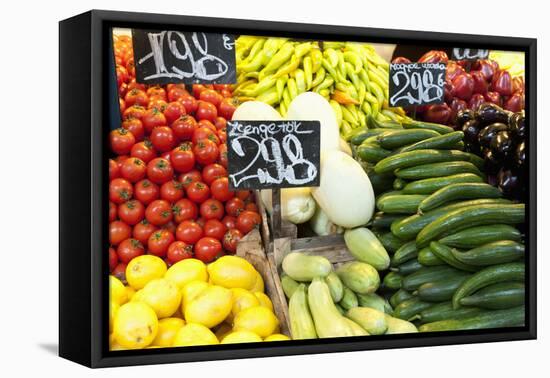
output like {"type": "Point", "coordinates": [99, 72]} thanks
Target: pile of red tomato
{"type": "Point", "coordinates": [168, 188]}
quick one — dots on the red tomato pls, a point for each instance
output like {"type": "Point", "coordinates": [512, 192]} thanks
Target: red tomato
{"type": "Point", "coordinates": [136, 96]}
{"type": "Point", "coordinates": [211, 209]}
{"type": "Point", "coordinates": [178, 251]}
{"type": "Point", "coordinates": [200, 221]}
{"type": "Point", "coordinates": [220, 123]}
{"type": "Point", "coordinates": [112, 211]}
{"type": "Point", "coordinates": [163, 138]}
{"type": "Point", "coordinates": [120, 190]}
{"type": "Point", "coordinates": [156, 91]}
{"type": "Point", "coordinates": [215, 229]}
{"type": "Point", "coordinates": [152, 118]}
{"type": "Point", "coordinates": [247, 221]}
{"type": "Point", "coordinates": [184, 209]}
{"type": "Point", "coordinates": [206, 123]}
{"type": "Point", "coordinates": [182, 158]}
{"type": "Point", "coordinates": [120, 272]}
{"type": "Point", "coordinates": [171, 191]}
{"type": "Point", "coordinates": [222, 136]}
{"type": "Point", "coordinates": [166, 156]}
{"type": "Point", "coordinates": [243, 194]}
{"type": "Point", "coordinates": [206, 110]}
{"type": "Point", "coordinates": [159, 212]}
{"type": "Point", "coordinates": [221, 87]}
{"type": "Point", "coordinates": [128, 249]}
{"type": "Point", "coordinates": [146, 191]}
{"type": "Point", "coordinates": [223, 155]}
{"type": "Point", "coordinates": [113, 259]}
{"type": "Point", "coordinates": [134, 111]}
{"type": "Point", "coordinates": [118, 231]}
{"type": "Point", "coordinates": [197, 89]}
{"type": "Point", "coordinates": [175, 85]}
{"type": "Point", "coordinates": [131, 67]}
{"type": "Point", "coordinates": [212, 172]}
{"type": "Point", "coordinates": [121, 104]}
{"type": "Point", "coordinates": [207, 249]}
{"type": "Point", "coordinates": [190, 104]}
{"type": "Point", "coordinates": [198, 192]}
{"type": "Point", "coordinates": [159, 241]}
{"type": "Point", "coordinates": [121, 141]}
{"type": "Point", "coordinates": [133, 169]}
{"type": "Point", "coordinates": [134, 126]}
{"type": "Point", "coordinates": [189, 177]}
{"type": "Point", "coordinates": [226, 93]}
{"type": "Point", "coordinates": [159, 170]}
{"type": "Point", "coordinates": [143, 230]}
{"type": "Point", "coordinates": [229, 221]}
{"type": "Point", "coordinates": [114, 170]}
{"type": "Point", "coordinates": [131, 212]}
{"type": "Point", "coordinates": [206, 152]}
{"type": "Point", "coordinates": [157, 103]}
{"type": "Point", "coordinates": [189, 232]}
{"type": "Point", "coordinates": [134, 84]}
{"type": "Point", "coordinates": [220, 189]}
{"type": "Point", "coordinates": [170, 226]}
{"type": "Point", "coordinates": [211, 96]}
{"type": "Point", "coordinates": [184, 127]}
{"type": "Point", "coordinates": [176, 93]}
{"type": "Point", "coordinates": [231, 239]}
{"type": "Point", "coordinates": [144, 151]}
{"type": "Point", "coordinates": [234, 206]}
{"type": "Point", "coordinates": [251, 207]}
{"type": "Point", "coordinates": [173, 111]}
{"type": "Point", "coordinates": [121, 159]}
{"type": "Point", "coordinates": [202, 133]}
{"type": "Point", "coordinates": [227, 107]}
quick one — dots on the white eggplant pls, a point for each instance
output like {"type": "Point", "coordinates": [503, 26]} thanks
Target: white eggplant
{"type": "Point", "coordinates": [255, 111]}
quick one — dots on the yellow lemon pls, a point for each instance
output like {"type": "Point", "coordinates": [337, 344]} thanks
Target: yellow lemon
{"type": "Point", "coordinates": [117, 291]}
{"type": "Point", "coordinates": [185, 271]}
{"type": "Point", "coordinates": [130, 292]}
{"type": "Point", "coordinates": [144, 268]}
{"type": "Point", "coordinates": [116, 346]}
{"type": "Point", "coordinates": [264, 300]}
{"type": "Point", "coordinates": [194, 334]}
{"type": "Point", "coordinates": [259, 320]}
{"type": "Point", "coordinates": [113, 309]}
{"type": "Point", "coordinates": [168, 328]}
{"type": "Point", "coordinates": [135, 325]}
{"type": "Point", "coordinates": [258, 285]}
{"type": "Point", "coordinates": [162, 295]}
{"type": "Point", "coordinates": [191, 291]}
{"type": "Point", "coordinates": [236, 337]}
{"type": "Point", "coordinates": [277, 337]}
{"type": "Point", "coordinates": [242, 299]}
{"type": "Point", "coordinates": [222, 330]}
{"type": "Point", "coordinates": [210, 307]}
{"type": "Point", "coordinates": [232, 271]}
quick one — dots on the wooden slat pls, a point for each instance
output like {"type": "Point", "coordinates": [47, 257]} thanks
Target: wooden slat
{"type": "Point", "coordinates": [330, 241]}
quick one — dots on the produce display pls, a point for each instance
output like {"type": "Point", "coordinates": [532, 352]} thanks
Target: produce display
{"type": "Point", "coordinates": [425, 206]}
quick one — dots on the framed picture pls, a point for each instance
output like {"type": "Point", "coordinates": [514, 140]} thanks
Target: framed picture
{"type": "Point", "coordinates": [234, 188]}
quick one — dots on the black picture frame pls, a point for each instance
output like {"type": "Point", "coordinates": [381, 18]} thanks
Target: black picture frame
{"type": "Point", "coordinates": [83, 282]}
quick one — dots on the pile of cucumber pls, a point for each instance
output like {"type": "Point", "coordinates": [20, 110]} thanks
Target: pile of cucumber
{"type": "Point", "coordinates": [457, 258]}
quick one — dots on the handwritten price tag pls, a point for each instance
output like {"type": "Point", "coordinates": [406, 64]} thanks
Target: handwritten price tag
{"type": "Point", "coordinates": [413, 84]}
{"type": "Point", "coordinates": [469, 54]}
{"type": "Point", "coordinates": [273, 154]}
{"type": "Point", "coordinates": [163, 57]}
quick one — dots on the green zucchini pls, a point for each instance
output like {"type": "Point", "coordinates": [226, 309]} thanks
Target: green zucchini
{"type": "Point", "coordinates": [444, 142]}
{"type": "Point", "coordinates": [445, 311]}
{"type": "Point", "coordinates": [396, 139]}
{"type": "Point", "coordinates": [409, 308]}
{"type": "Point", "coordinates": [431, 185]}
{"type": "Point", "coordinates": [491, 319]}
{"type": "Point", "coordinates": [391, 242]}
{"type": "Point", "coordinates": [489, 276]}
{"type": "Point", "coordinates": [460, 191]}
{"type": "Point", "coordinates": [393, 280]}
{"type": "Point", "coordinates": [437, 170]}
{"type": "Point", "coordinates": [476, 236]}
{"type": "Point", "coordinates": [429, 274]}
{"type": "Point", "coordinates": [446, 254]}
{"type": "Point", "coordinates": [438, 291]}
{"type": "Point", "coordinates": [408, 267]}
{"type": "Point", "coordinates": [405, 253]}
{"type": "Point", "coordinates": [383, 220]}
{"type": "Point", "coordinates": [361, 135]}
{"type": "Point", "coordinates": [400, 296]}
{"type": "Point", "coordinates": [413, 158]}
{"type": "Point", "coordinates": [498, 296]}
{"type": "Point", "coordinates": [427, 258]}
{"type": "Point", "coordinates": [441, 129]}
{"type": "Point", "coordinates": [498, 252]}
{"type": "Point", "coordinates": [470, 216]}
{"type": "Point", "coordinates": [372, 153]}
{"type": "Point", "coordinates": [400, 203]}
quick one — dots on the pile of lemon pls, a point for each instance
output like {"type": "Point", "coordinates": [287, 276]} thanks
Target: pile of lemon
{"type": "Point", "coordinates": [190, 304]}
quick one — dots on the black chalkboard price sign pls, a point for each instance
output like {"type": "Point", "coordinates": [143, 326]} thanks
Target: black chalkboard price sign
{"type": "Point", "coordinates": [413, 84]}
{"type": "Point", "coordinates": [163, 57]}
{"type": "Point", "coordinates": [273, 154]}
{"type": "Point", "coordinates": [470, 54]}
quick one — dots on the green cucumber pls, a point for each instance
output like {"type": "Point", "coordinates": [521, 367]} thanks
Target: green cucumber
{"type": "Point", "coordinates": [396, 139]}
{"type": "Point", "coordinates": [380, 182]}
{"type": "Point", "coordinates": [400, 203]}
{"type": "Point", "coordinates": [400, 296]}
{"type": "Point", "coordinates": [441, 129]}
{"type": "Point", "coordinates": [446, 254]}
{"type": "Point", "coordinates": [489, 276]}
{"type": "Point", "coordinates": [399, 184]}
{"type": "Point", "coordinates": [498, 296]}
{"type": "Point", "coordinates": [413, 158]}
{"type": "Point", "coordinates": [383, 220]}
{"type": "Point", "coordinates": [499, 252]}
{"type": "Point", "coordinates": [391, 242]}
{"type": "Point", "coordinates": [445, 311]}
{"type": "Point", "coordinates": [408, 267]}
{"type": "Point", "coordinates": [409, 227]}
{"type": "Point", "coordinates": [431, 185]}
{"type": "Point", "coordinates": [393, 280]}
{"type": "Point", "coordinates": [439, 291]}
{"type": "Point", "coordinates": [460, 191]}
{"type": "Point", "coordinates": [405, 253]}
{"type": "Point", "coordinates": [444, 142]}
{"type": "Point", "coordinates": [437, 170]}
{"type": "Point", "coordinates": [476, 236]}
{"type": "Point", "coordinates": [491, 319]}
{"type": "Point", "coordinates": [409, 308]}
{"type": "Point", "coordinates": [429, 274]}
{"type": "Point", "coordinates": [470, 216]}
{"type": "Point", "coordinates": [372, 153]}
{"type": "Point", "coordinates": [427, 258]}
{"type": "Point", "coordinates": [349, 299]}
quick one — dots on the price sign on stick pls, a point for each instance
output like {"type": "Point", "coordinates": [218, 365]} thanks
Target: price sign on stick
{"type": "Point", "coordinates": [273, 154]}
{"type": "Point", "coordinates": [163, 57]}
{"type": "Point", "coordinates": [414, 84]}
{"type": "Point", "coordinates": [470, 54]}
